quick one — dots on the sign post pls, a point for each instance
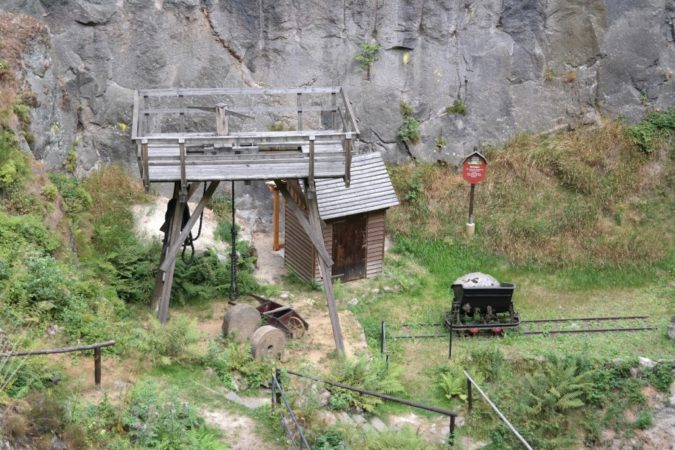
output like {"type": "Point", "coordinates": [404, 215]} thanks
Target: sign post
{"type": "Point", "coordinates": [473, 171]}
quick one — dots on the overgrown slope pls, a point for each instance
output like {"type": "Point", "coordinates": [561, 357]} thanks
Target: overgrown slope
{"type": "Point", "coordinates": [600, 196]}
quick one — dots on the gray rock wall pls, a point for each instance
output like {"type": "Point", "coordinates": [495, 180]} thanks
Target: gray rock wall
{"type": "Point", "coordinates": [516, 64]}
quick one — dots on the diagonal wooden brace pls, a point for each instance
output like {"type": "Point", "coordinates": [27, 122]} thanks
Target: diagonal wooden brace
{"type": "Point", "coordinates": [315, 236]}
{"type": "Point", "coordinates": [176, 245]}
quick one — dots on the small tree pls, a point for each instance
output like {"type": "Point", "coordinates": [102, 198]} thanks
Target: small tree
{"type": "Point", "coordinates": [368, 54]}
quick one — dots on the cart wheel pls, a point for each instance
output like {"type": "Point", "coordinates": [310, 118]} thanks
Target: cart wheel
{"type": "Point", "coordinates": [241, 321]}
{"type": "Point", "coordinates": [296, 327]}
{"type": "Point", "coordinates": [268, 342]}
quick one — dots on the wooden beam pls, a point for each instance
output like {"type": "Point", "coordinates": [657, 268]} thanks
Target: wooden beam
{"type": "Point", "coordinates": [315, 236]}
{"type": "Point", "coordinates": [236, 91]}
{"type": "Point", "coordinates": [165, 296]}
{"type": "Point", "coordinates": [171, 254]}
{"type": "Point", "coordinates": [325, 269]}
{"type": "Point", "coordinates": [300, 121]}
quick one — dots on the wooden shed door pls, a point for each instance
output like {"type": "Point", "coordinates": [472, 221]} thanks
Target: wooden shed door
{"type": "Point", "coordinates": [349, 247]}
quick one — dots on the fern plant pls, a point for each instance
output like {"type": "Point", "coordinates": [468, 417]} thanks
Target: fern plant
{"type": "Point", "coordinates": [556, 388]}
{"type": "Point", "coordinates": [371, 374]}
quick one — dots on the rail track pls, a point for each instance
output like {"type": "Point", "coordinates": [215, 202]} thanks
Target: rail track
{"type": "Point", "coordinates": [585, 325]}
{"type": "Point", "coordinates": [543, 327]}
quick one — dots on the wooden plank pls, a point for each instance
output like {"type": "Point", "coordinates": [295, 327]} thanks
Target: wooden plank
{"type": "Point", "coordinates": [350, 113]}
{"type": "Point", "coordinates": [134, 117]}
{"type": "Point", "coordinates": [243, 172]}
{"type": "Point", "coordinates": [255, 110]}
{"type": "Point", "coordinates": [325, 270]}
{"type": "Point", "coordinates": [175, 92]}
{"type": "Point", "coordinates": [299, 111]}
{"type": "Point", "coordinates": [165, 297]}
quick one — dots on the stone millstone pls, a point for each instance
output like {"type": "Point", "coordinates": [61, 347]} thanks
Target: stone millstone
{"type": "Point", "coordinates": [268, 342]}
{"type": "Point", "coordinates": [240, 322]}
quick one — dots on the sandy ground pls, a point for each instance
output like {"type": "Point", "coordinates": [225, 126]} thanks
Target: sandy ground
{"type": "Point", "coordinates": [237, 429]}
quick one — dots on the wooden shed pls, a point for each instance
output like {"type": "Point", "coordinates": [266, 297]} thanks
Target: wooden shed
{"type": "Point", "coordinates": [354, 220]}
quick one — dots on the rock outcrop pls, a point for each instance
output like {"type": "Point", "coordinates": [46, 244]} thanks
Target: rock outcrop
{"type": "Point", "coordinates": [515, 64]}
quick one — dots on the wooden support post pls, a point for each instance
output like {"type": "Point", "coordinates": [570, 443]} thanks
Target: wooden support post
{"type": "Point", "coordinates": [325, 269]}
{"type": "Point", "coordinates": [451, 436]}
{"type": "Point", "coordinates": [311, 224]}
{"type": "Point", "coordinates": [144, 156]}
{"type": "Point", "coordinates": [181, 156]}
{"type": "Point", "coordinates": [170, 264]}
{"type": "Point", "coordinates": [97, 367]}
{"type": "Point", "coordinates": [300, 121]}
{"type": "Point", "coordinates": [221, 120]}
{"type": "Point", "coordinates": [301, 215]}
{"type": "Point", "coordinates": [333, 104]}
{"type": "Point", "coordinates": [311, 161]}
{"type": "Point", "coordinates": [176, 243]}
{"type": "Point", "coordinates": [348, 159]}
{"type": "Point", "coordinates": [276, 245]}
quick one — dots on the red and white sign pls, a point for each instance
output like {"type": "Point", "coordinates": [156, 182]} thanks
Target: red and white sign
{"type": "Point", "coordinates": [474, 168]}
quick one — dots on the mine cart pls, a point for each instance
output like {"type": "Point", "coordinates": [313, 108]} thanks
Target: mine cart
{"type": "Point", "coordinates": [476, 309]}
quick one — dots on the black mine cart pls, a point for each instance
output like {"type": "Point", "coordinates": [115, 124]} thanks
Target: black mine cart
{"type": "Point", "coordinates": [477, 309]}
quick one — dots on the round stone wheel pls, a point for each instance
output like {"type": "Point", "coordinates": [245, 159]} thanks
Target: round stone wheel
{"type": "Point", "coordinates": [240, 322]}
{"type": "Point", "coordinates": [268, 342]}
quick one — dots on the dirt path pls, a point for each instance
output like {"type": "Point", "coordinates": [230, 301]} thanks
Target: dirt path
{"type": "Point", "coordinates": [239, 430]}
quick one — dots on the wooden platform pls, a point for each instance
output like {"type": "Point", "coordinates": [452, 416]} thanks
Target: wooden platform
{"type": "Point", "coordinates": [244, 163]}
{"type": "Point", "coordinates": [186, 135]}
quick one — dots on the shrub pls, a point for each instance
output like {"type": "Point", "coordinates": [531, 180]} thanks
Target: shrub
{"type": "Point", "coordinates": [644, 420]}
{"type": "Point", "coordinates": [660, 376]}
{"type": "Point", "coordinates": [156, 417]}
{"type": "Point", "coordinates": [237, 358]}
{"type": "Point", "coordinates": [457, 107]}
{"type": "Point", "coordinates": [75, 197]}
{"type": "Point", "coordinates": [50, 191]}
{"type": "Point", "coordinates": [367, 55]}
{"type": "Point", "coordinates": [70, 163]}
{"type": "Point", "coordinates": [410, 130]}
{"type": "Point", "coordinates": [13, 163]}
{"type": "Point", "coordinates": [173, 341]}
{"type": "Point", "coordinates": [656, 128]}
{"type": "Point", "coordinates": [371, 374]}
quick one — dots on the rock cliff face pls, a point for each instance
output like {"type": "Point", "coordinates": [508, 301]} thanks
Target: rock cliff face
{"type": "Point", "coordinates": [515, 64]}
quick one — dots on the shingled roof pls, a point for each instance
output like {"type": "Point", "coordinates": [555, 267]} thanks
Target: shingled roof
{"type": "Point", "coordinates": [370, 189]}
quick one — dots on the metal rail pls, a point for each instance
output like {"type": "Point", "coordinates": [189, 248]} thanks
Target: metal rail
{"type": "Point", "coordinates": [585, 319]}
{"type": "Point", "coordinates": [279, 396]}
{"type": "Point", "coordinates": [391, 398]}
{"type": "Point", "coordinates": [494, 408]}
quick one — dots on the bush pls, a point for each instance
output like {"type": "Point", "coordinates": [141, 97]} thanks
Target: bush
{"type": "Point", "coordinates": [660, 376]}
{"type": "Point", "coordinates": [657, 127]}
{"type": "Point", "coordinates": [371, 374]}
{"type": "Point", "coordinates": [410, 130]}
{"type": "Point", "coordinates": [172, 342]}
{"type": "Point", "coordinates": [75, 197]}
{"type": "Point", "coordinates": [457, 107]}
{"type": "Point", "coordinates": [237, 358]}
{"type": "Point", "coordinates": [367, 55]}
{"type": "Point", "coordinates": [156, 417]}
{"type": "Point", "coordinates": [13, 163]}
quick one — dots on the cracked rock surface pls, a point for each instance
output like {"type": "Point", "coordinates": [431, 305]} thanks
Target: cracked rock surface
{"type": "Point", "coordinates": [516, 64]}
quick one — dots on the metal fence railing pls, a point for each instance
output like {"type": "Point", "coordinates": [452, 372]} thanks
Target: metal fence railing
{"type": "Point", "coordinates": [289, 420]}
{"type": "Point", "coordinates": [452, 415]}
{"type": "Point", "coordinates": [469, 384]}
